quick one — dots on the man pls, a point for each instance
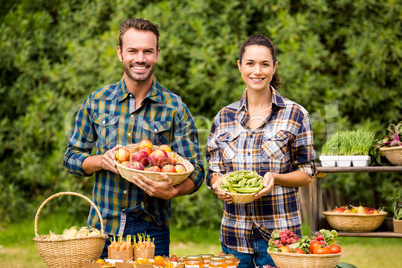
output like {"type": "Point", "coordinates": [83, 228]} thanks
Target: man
{"type": "Point", "coordinates": [135, 108]}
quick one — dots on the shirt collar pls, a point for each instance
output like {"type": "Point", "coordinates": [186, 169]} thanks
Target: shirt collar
{"type": "Point", "coordinates": [276, 100]}
{"type": "Point", "coordinates": [154, 94]}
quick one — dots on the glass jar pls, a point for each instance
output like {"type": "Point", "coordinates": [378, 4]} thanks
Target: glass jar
{"type": "Point", "coordinates": [218, 262]}
{"type": "Point", "coordinates": [194, 261]}
{"type": "Point", "coordinates": [230, 261]}
{"type": "Point", "coordinates": [206, 259]}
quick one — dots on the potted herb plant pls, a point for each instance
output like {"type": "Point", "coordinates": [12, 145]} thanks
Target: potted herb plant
{"type": "Point", "coordinates": [397, 220]}
{"type": "Point", "coordinates": [391, 145]}
{"type": "Point", "coordinates": [345, 148]}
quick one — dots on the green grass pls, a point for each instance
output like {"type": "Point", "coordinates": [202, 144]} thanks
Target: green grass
{"type": "Point", "coordinates": [18, 250]}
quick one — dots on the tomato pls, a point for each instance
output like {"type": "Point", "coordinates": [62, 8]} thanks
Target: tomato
{"type": "Point", "coordinates": [298, 251]}
{"type": "Point", "coordinates": [321, 250]}
{"type": "Point", "coordinates": [144, 261]}
{"type": "Point", "coordinates": [159, 260]}
{"type": "Point", "coordinates": [284, 249]}
{"type": "Point", "coordinates": [316, 243]}
{"type": "Point", "coordinates": [334, 249]}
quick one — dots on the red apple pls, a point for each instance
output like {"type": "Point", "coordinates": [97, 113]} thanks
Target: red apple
{"type": "Point", "coordinates": [153, 169]}
{"type": "Point", "coordinates": [136, 165]}
{"type": "Point", "coordinates": [374, 212]}
{"type": "Point", "coordinates": [122, 154]}
{"type": "Point", "coordinates": [165, 147]}
{"type": "Point", "coordinates": [168, 168]}
{"type": "Point", "coordinates": [340, 209]}
{"type": "Point", "coordinates": [125, 164]}
{"type": "Point", "coordinates": [158, 158]}
{"type": "Point", "coordinates": [145, 143]}
{"type": "Point", "coordinates": [141, 157]}
{"type": "Point", "coordinates": [180, 168]}
{"type": "Point", "coordinates": [147, 150]}
{"type": "Point", "coordinates": [173, 158]}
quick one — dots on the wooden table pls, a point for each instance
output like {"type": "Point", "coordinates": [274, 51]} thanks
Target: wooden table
{"type": "Point", "coordinates": [317, 221]}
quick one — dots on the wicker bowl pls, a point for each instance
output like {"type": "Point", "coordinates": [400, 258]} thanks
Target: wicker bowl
{"type": "Point", "coordinates": [177, 178]}
{"type": "Point", "coordinates": [393, 154]}
{"type": "Point", "coordinates": [70, 252]}
{"type": "Point", "coordinates": [291, 260]}
{"type": "Point", "coordinates": [351, 222]}
{"type": "Point", "coordinates": [237, 198]}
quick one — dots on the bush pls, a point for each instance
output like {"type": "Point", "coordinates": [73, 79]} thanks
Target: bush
{"type": "Point", "coordinates": [339, 59]}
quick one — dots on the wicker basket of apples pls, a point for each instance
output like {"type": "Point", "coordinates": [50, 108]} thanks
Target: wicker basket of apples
{"type": "Point", "coordinates": [151, 161]}
{"type": "Point", "coordinates": [355, 219]}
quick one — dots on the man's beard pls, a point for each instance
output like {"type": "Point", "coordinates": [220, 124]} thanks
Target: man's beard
{"type": "Point", "coordinates": [127, 70]}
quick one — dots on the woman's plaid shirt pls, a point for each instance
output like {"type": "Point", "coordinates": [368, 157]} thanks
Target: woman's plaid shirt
{"type": "Point", "coordinates": [282, 144]}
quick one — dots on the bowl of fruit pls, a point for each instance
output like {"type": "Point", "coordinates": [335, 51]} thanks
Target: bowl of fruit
{"type": "Point", "coordinates": [288, 250]}
{"type": "Point", "coordinates": [355, 219]}
{"type": "Point", "coordinates": [151, 161]}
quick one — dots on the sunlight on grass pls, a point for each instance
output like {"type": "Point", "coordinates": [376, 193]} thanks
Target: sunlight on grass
{"type": "Point", "coordinates": [18, 250]}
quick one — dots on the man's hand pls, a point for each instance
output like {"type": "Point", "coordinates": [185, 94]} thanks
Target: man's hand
{"type": "Point", "coordinates": [163, 189]}
{"type": "Point", "coordinates": [95, 163]}
{"type": "Point", "coordinates": [107, 160]}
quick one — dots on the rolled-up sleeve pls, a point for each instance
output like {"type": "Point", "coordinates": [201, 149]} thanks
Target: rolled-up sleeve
{"type": "Point", "coordinates": [302, 149]}
{"type": "Point", "coordinates": [185, 143]}
{"type": "Point", "coordinates": [81, 142]}
{"type": "Point", "coordinates": [213, 155]}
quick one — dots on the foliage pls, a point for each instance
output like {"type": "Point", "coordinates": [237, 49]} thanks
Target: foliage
{"type": "Point", "coordinates": [339, 59]}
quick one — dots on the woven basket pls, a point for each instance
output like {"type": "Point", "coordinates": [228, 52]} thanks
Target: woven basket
{"type": "Point", "coordinates": [351, 222]}
{"type": "Point", "coordinates": [176, 178]}
{"type": "Point", "coordinates": [237, 198]}
{"type": "Point", "coordinates": [393, 154]}
{"type": "Point", "coordinates": [291, 260]}
{"type": "Point", "coordinates": [69, 252]}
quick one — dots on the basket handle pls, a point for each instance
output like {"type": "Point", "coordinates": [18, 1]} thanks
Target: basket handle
{"type": "Point", "coordinates": [67, 193]}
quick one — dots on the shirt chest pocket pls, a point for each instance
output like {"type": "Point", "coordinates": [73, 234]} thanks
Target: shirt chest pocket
{"type": "Point", "coordinates": [106, 126]}
{"type": "Point", "coordinates": [275, 146]}
{"type": "Point", "coordinates": [228, 143]}
{"type": "Point", "coordinates": [158, 132]}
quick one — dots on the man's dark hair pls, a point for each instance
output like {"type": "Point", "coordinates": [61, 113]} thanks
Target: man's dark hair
{"type": "Point", "coordinates": [140, 25]}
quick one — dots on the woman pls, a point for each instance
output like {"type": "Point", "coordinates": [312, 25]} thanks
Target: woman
{"type": "Point", "coordinates": [269, 134]}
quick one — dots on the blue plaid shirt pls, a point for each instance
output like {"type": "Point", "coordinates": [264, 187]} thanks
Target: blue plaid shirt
{"type": "Point", "coordinates": [107, 119]}
{"type": "Point", "coordinates": [282, 144]}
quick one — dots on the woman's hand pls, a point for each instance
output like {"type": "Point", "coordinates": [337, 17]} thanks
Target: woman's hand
{"type": "Point", "coordinates": [221, 195]}
{"type": "Point", "coordinates": [269, 182]}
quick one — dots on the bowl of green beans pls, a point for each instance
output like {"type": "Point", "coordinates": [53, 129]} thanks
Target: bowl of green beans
{"type": "Point", "coordinates": [241, 185]}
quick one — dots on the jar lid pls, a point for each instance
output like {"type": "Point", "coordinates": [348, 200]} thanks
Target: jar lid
{"type": "Point", "coordinates": [206, 255]}
{"type": "Point", "coordinates": [230, 257]}
{"type": "Point", "coordinates": [193, 257]}
{"type": "Point", "coordinates": [218, 258]}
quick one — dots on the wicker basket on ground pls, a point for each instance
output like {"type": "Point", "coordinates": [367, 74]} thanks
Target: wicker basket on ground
{"type": "Point", "coordinates": [351, 222]}
{"type": "Point", "coordinates": [70, 252]}
{"type": "Point", "coordinates": [291, 260]}
{"type": "Point", "coordinates": [393, 154]}
{"type": "Point", "coordinates": [177, 178]}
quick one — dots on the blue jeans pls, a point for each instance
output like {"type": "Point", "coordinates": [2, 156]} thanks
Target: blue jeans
{"type": "Point", "coordinates": [136, 226]}
{"type": "Point", "coordinates": [258, 259]}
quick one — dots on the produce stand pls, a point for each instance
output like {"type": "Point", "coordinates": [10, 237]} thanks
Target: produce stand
{"type": "Point", "coordinates": [317, 221]}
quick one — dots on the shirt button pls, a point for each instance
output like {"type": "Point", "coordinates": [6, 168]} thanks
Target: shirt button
{"type": "Point", "coordinates": [128, 134]}
{"type": "Point", "coordinates": [248, 153]}
{"type": "Point", "coordinates": [155, 130]}
{"type": "Point", "coordinates": [131, 95]}
{"type": "Point", "coordinates": [104, 122]}
{"type": "Point", "coordinates": [132, 116]}
{"type": "Point", "coordinates": [124, 192]}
